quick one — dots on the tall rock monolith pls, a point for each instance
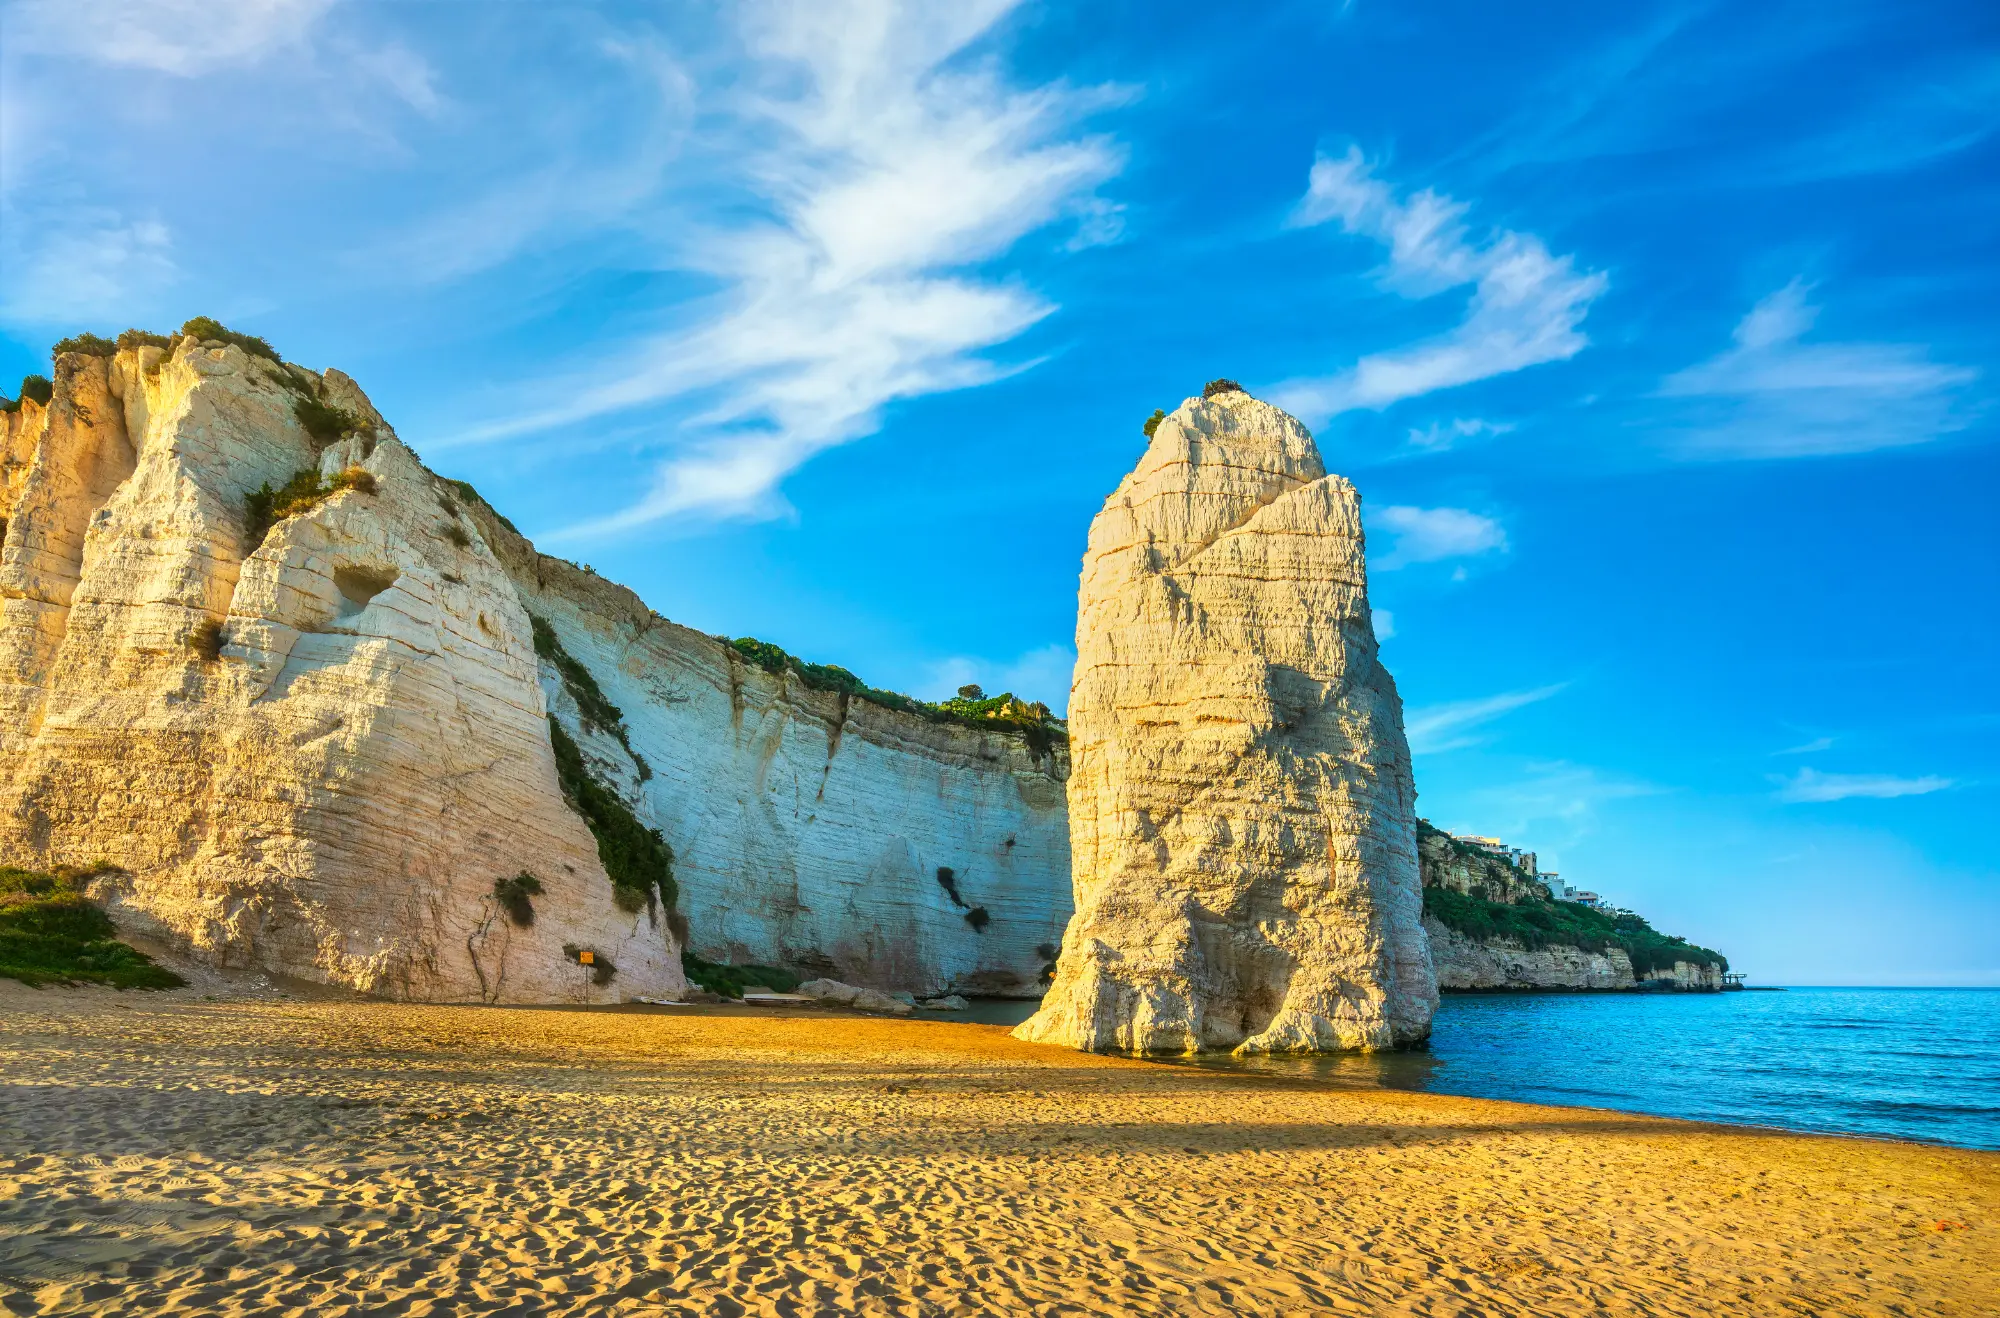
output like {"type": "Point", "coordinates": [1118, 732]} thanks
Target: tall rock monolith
{"type": "Point", "coordinates": [1242, 815]}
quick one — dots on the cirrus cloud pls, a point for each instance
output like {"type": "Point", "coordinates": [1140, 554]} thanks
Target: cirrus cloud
{"type": "Point", "coordinates": [881, 166]}
{"type": "Point", "coordinates": [1451, 725]}
{"type": "Point", "coordinates": [1429, 535]}
{"type": "Point", "coordinates": [185, 38]}
{"type": "Point", "coordinates": [1527, 305]}
{"type": "Point", "coordinates": [1810, 786]}
{"type": "Point", "coordinates": [1773, 395]}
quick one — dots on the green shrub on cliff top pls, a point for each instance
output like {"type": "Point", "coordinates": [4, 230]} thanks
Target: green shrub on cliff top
{"type": "Point", "coordinates": [474, 496]}
{"type": "Point", "coordinates": [91, 345]}
{"type": "Point", "coordinates": [207, 327]}
{"type": "Point", "coordinates": [1037, 726]}
{"type": "Point", "coordinates": [50, 933]}
{"type": "Point", "coordinates": [96, 345]}
{"type": "Point", "coordinates": [38, 387]}
{"type": "Point", "coordinates": [138, 338]}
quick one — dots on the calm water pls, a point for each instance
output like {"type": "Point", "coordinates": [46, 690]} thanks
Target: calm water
{"type": "Point", "coordinates": [1908, 1063]}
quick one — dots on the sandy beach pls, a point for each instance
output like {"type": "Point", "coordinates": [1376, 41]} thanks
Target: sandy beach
{"type": "Point", "coordinates": [174, 1153]}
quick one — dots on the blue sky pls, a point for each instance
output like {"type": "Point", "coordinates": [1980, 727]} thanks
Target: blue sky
{"type": "Point", "coordinates": [1658, 338]}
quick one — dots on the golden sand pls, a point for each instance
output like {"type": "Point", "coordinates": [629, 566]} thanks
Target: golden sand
{"type": "Point", "coordinates": [239, 1157]}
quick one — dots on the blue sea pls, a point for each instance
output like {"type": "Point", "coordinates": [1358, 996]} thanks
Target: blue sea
{"type": "Point", "coordinates": [1918, 1064]}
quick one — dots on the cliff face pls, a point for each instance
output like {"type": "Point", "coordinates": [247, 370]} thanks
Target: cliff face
{"type": "Point", "coordinates": [1472, 964]}
{"type": "Point", "coordinates": [1467, 961]}
{"type": "Point", "coordinates": [1448, 863]}
{"type": "Point", "coordinates": [1244, 851]}
{"type": "Point", "coordinates": [810, 828]}
{"type": "Point", "coordinates": [316, 750]}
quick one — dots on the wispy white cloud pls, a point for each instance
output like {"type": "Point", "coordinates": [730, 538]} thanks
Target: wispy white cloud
{"type": "Point", "coordinates": [77, 245]}
{"type": "Point", "coordinates": [1556, 799]}
{"type": "Point", "coordinates": [1771, 395]}
{"type": "Point", "coordinates": [1428, 535]}
{"type": "Point", "coordinates": [182, 37]}
{"type": "Point", "coordinates": [1043, 674]}
{"type": "Point", "coordinates": [884, 164]}
{"type": "Point", "coordinates": [407, 75]}
{"type": "Point", "coordinates": [1452, 725]}
{"type": "Point", "coordinates": [1527, 306]}
{"type": "Point", "coordinates": [1949, 109]}
{"type": "Point", "coordinates": [575, 176]}
{"type": "Point", "coordinates": [80, 265]}
{"type": "Point", "coordinates": [1808, 747]}
{"type": "Point", "coordinates": [1812, 787]}
{"type": "Point", "coordinates": [1441, 435]}
{"type": "Point", "coordinates": [1384, 622]}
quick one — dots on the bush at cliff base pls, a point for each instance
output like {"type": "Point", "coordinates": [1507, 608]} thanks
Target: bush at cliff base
{"type": "Point", "coordinates": [731, 981]}
{"type": "Point", "coordinates": [50, 933]}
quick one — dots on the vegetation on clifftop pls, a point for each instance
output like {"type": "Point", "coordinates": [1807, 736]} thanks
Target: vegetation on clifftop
{"type": "Point", "coordinates": [50, 933]}
{"type": "Point", "coordinates": [1539, 924]}
{"type": "Point", "coordinates": [207, 329]}
{"type": "Point", "coordinates": [39, 388]}
{"type": "Point", "coordinates": [474, 496]}
{"type": "Point", "coordinates": [1003, 713]}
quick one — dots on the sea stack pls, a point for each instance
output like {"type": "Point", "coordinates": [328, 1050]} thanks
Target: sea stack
{"type": "Point", "coordinates": [1242, 814]}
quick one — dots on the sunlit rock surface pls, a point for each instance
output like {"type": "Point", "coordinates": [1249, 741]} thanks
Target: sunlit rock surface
{"type": "Point", "coordinates": [315, 753]}
{"type": "Point", "coordinates": [318, 752]}
{"type": "Point", "coordinates": [1242, 812]}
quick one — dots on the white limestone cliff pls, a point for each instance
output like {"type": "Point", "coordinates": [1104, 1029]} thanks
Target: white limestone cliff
{"type": "Point", "coordinates": [1473, 965]}
{"type": "Point", "coordinates": [313, 751]}
{"type": "Point", "coordinates": [809, 827]}
{"type": "Point", "coordinates": [316, 751]}
{"type": "Point", "coordinates": [1241, 806]}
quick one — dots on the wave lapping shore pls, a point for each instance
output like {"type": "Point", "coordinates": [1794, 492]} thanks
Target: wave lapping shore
{"type": "Point", "coordinates": [239, 1157]}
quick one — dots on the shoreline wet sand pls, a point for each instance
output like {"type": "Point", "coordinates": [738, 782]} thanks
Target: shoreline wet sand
{"type": "Point", "coordinates": [270, 1155]}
